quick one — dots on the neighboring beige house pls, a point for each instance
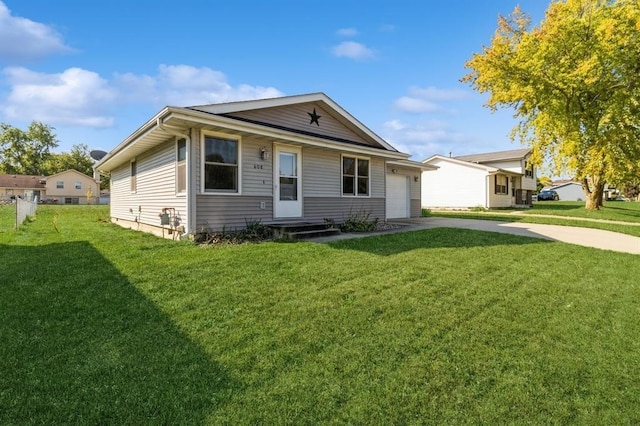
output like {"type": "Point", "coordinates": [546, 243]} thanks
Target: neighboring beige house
{"type": "Point", "coordinates": [71, 187]}
{"type": "Point", "coordinates": [282, 160]}
{"type": "Point", "coordinates": [490, 180]}
{"type": "Point", "coordinates": [24, 186]}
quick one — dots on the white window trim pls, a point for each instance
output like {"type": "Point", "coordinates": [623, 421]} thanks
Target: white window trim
{"type": "Point", "coordinates": [237, 138]}
{"type": "Point", "coordinates": [186, 174]}
{"type": "Point", "coordinates": [357, 157]}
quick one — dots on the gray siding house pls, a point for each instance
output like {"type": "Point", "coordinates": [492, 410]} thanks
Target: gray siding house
{"type": "Point", "coordinates": [280, 160]}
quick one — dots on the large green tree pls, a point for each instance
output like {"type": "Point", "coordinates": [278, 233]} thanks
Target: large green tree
{"type": "Point", "coordinates": [574, 84]}
{"type": "Point", "coordinates": [78, 159]}
{"type": "Point", "coordinates": [26, 152]}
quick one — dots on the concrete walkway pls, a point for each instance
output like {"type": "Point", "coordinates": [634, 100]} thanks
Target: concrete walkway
{"type": "Point", "coordinates": [596, 238]}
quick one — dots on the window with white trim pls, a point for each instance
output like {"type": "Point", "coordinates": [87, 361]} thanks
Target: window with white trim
{"type": "Point", "coordinates": [502, 184]}
{"type": "Point", "coordinates": [60, 184]}
{"type": "Point", "coordinates": [181, 165]}
{"type": "Point", "coordinates": [78, 185]}
{"type": "Point", "coordinates": [355, 176]}
{"type": "Point", "coordinates": [221, 163]}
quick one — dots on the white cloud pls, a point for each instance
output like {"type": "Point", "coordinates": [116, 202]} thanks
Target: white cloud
{"type": "Point", "coordinates": [422, 139]}
{"type": "Point", "coordinates": [184, 85]}
{"type": "Point", "coordinates": [435, 94]}
{"type": "Point", "coordinates": [428, 99]}
{"type": "Point", "coordinates": [347, 32]}
{"type": "Point", "coordinates": [22, 39]}
{"type": "Point", "coordinates": [353, 50]}
{"type": "Point", "coordinates": [79, 97]}
{"type": "Point", "coordinates": [73, 97]}
{"type": "Point", "coordinates": [414, 105]}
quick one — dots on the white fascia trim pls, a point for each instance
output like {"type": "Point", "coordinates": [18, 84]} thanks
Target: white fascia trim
{"type": "Point", "coordinates": [138, 134]}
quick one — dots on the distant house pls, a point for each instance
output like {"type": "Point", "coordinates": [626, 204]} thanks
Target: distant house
{"type": "Point", "coordinates": [568, 190]}
{"type": "Point", "coordinates": [490, 180]}
{"type": "Point", "coordinates": [72, 187]}
{"type": "Point", "coordinates": [281, 160]}
{"type": "Point", "coordinates": [23, 186]}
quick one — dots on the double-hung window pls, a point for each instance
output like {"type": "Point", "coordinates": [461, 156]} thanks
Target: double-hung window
{"type": "Point", "coordinates": [355, 176]}
{"type": "Point", "coordinates": [60, 184]}
{"type": "Point", "coordinates": [502, 184]}
{"type": "Point", "coordinates": [181, 165]}
{"type": "Point", "coordinates": [78, 185]}
{"type": "Point", "coordinates": [528, 169]}
{"type": "Point", "coordinates": [221, 164]}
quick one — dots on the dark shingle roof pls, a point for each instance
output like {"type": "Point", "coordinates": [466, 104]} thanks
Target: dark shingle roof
{"type": "Point", "coordinates": [495, 156]}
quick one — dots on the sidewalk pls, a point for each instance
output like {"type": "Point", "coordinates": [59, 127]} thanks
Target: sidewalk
{"type": "Point", "coordinates": [596, 238]}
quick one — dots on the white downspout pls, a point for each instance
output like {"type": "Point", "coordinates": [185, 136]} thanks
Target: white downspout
{"type": "Point", "coordinates": [190, 187]}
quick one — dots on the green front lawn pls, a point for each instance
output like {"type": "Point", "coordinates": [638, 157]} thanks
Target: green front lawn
{"type": "Point", "coordinates": [443, 326]}
{"type": "Point", "coordinates": [566, 213]}
{"type": "Point", "coordinates": [613, 210]}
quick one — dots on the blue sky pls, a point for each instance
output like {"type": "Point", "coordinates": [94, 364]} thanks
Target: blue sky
{"type": "Point", "coordinates": [98, 70]}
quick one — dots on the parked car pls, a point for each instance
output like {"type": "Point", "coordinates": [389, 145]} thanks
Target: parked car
{"type": "Point", "coordinates": [548, 195]}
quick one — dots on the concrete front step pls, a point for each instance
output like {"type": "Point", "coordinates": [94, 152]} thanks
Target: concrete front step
{"type": "Point", "coordinates": [302, 231]}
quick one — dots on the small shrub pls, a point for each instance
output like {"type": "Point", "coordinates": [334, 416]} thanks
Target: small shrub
{"type": "Point", "coordinates": [478, 208]}
{"type": "Point", "coordinates": [359, 222]}
{"type": "Point", "coordinates": [426, 212]}
{"type": "Point", "coordinates": [253, 232]}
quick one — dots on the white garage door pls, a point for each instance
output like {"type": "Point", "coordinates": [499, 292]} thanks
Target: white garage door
{"type": "Point", "coordinates": [397, 196]}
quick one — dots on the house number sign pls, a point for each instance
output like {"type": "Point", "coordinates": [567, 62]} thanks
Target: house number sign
{"type": "Point", "coordinates": [257, 166]}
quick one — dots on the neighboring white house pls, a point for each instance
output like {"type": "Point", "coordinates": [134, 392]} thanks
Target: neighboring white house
{"type": "Point", "coordinates": [569, 191]}
{"type": "Point", "coordinates": [490, 180]}
{"type": "Point", "coordinates": [282, 160]}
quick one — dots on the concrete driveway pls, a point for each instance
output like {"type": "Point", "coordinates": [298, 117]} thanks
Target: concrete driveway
{"type": "Point", "coordinates": [596, 238]}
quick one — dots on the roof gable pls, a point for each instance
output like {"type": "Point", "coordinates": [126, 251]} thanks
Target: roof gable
{"type": "Point", "coordinates": [514, 154]}
{"type": "Point", "coordinates": [328, 126]}
{"type": "Point", "coordinates": [313, 115]}
{"type": "Point", "coordinates": [70, 171]}
{"type": "Point", "coordinates": [437, 158]}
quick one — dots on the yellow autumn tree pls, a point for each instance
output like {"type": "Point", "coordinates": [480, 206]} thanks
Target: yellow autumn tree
{"type": "Point", "coordinates": [573, 82]}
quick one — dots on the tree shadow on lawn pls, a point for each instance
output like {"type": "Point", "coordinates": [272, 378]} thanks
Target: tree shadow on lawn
{"type": "Point", "coordinates": [80, 344]}
{"type": "Point", "coordinates": [623, 209]}
{"type": "Point", "coordinates": [391, 244]}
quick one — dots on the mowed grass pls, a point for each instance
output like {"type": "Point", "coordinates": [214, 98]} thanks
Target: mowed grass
{"type": "Point", "coordinates": [443, 326]}
{"type": "Point", "coordinates": [612, 210]}
{"type": "Point", "coordinates": [615, 216]}
{"type": "Point", "coordinates": [7, 217]}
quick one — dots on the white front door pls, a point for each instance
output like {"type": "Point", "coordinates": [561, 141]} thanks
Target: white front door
{"type": "Point", "coordinates": [397, 196]}
{"type": "Point", "coordinates": [287, 181]}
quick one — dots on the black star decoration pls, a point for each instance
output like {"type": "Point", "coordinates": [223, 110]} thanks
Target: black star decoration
{"type": "Point", "coordinates": [314, 117]}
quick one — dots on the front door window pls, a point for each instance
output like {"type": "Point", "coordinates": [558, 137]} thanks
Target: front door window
{"type": "Point", "coordinates": [288, 176]}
